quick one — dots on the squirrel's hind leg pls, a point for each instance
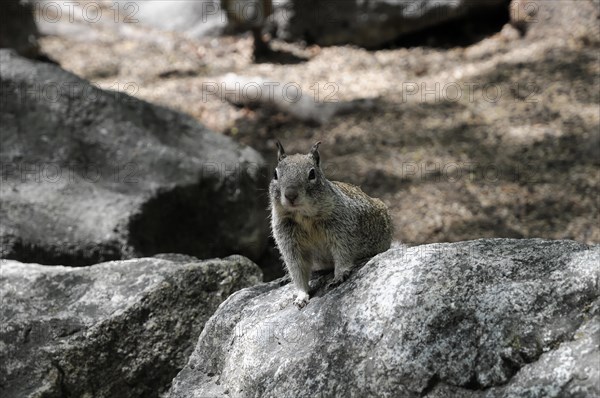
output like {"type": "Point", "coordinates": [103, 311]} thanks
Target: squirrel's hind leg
{"type": "Point", "coordinates": [343, 268]}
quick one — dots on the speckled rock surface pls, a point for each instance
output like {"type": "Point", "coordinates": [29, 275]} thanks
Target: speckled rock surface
{"type": "Point", "coordinates": [118, 329]}
{"type": "Point", "coordinates": [484, 318]}
{"type": "Point", "coordinates": [90, 175]}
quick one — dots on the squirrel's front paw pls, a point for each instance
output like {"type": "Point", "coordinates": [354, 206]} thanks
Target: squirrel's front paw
{"type": "Point", "coordinates": [284, 280]}
{"type": "Point", "coordinates": [301, 300]}
{"type": "Point", "coordinates": [338, 279]}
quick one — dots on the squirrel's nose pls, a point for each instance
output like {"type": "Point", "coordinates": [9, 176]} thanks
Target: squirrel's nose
{"type": "Point", "coordinates": [291, 195]}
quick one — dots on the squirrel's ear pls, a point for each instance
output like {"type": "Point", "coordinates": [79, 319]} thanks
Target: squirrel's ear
{"type": "Point", "coordinates": [280, 151]}
{"type": "Point", "coordinates": [314, 151]}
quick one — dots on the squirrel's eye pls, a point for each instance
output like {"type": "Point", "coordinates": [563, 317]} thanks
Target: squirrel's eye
{"type": "Point", "coordinates": [275, 175]}
{"type": "Point", "coordinates": [311, 174]}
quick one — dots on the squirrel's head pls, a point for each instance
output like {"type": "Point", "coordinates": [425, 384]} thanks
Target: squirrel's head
{"type": "Point", "coordinates": [298, 182]}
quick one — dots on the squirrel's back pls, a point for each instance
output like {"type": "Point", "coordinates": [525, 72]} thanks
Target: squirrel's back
{"type": "Point", "coordinates": [369, 217]}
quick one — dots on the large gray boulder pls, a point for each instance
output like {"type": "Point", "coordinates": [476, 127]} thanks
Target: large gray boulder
{"type": "Point", "coordinates": [367, 23]}
{"type": "Point", "coordinates": [91, 175]}
{"type": "Point", "coordinates": [370, 24]}
{"type": "Point", "coordinates": [118, 329]}
{"type": "Point", "coordinates": [485, 318]}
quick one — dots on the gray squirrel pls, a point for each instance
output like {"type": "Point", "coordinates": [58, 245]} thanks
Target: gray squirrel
{"type": "Point", "coordinates": [320, 224]}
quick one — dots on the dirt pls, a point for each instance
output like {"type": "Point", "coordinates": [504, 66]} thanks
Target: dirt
{"type": "Point", "coordinates": [516, 155]}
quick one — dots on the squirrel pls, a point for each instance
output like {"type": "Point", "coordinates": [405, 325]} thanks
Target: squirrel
{"type": "Point", "coordinates": [319, 224]}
